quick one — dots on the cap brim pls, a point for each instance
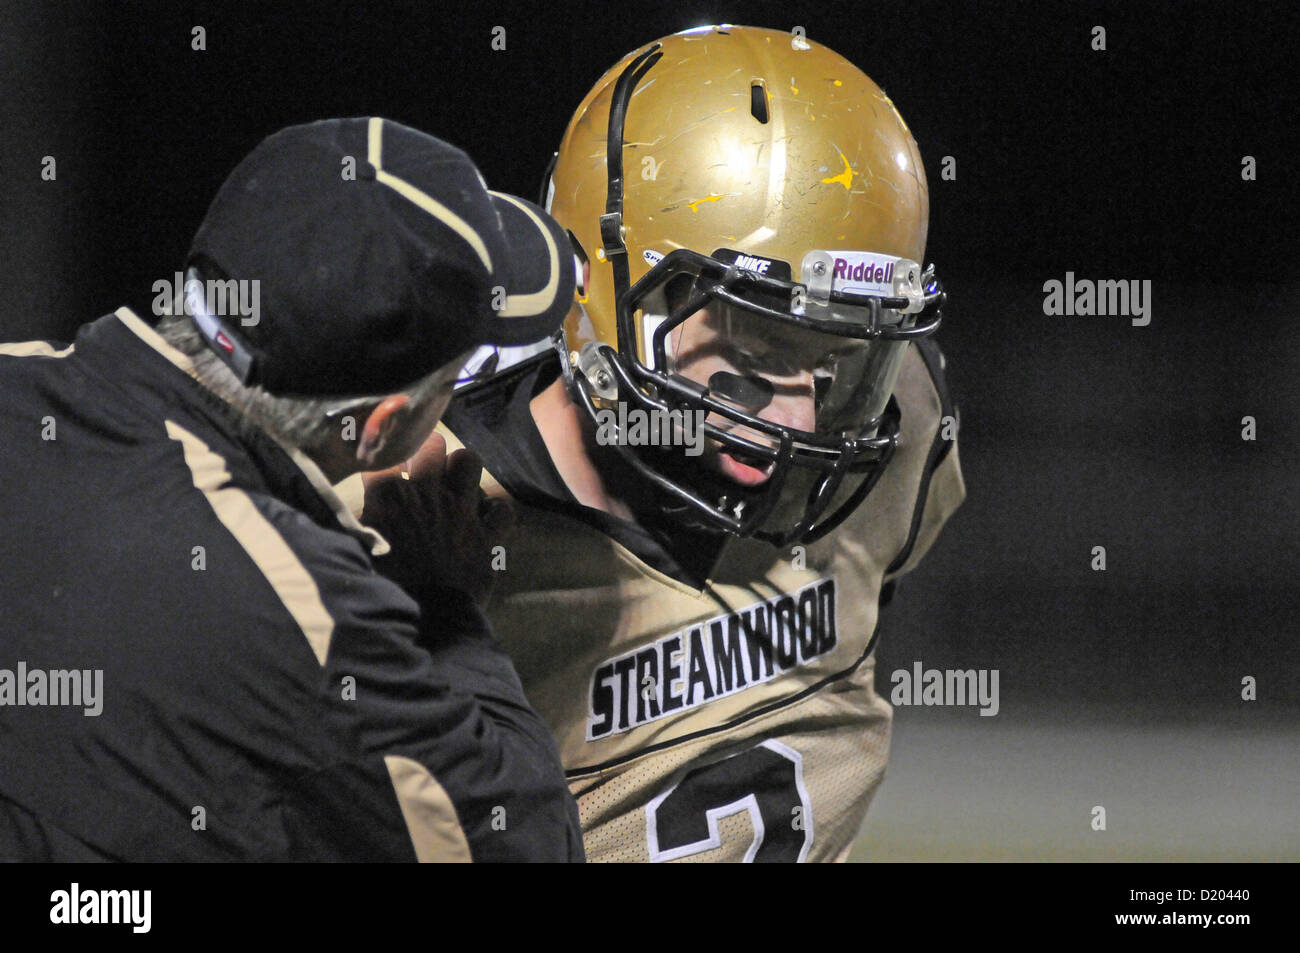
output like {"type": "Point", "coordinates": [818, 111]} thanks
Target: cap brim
{"type": "Point", "coordinates": [538, 274]}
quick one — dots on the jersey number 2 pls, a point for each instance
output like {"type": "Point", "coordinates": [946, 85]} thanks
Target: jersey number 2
{"type": "Point", "coordinates": [766, 781]}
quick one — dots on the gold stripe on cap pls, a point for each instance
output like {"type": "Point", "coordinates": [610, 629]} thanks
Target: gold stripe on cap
{"type": "Point", "coordinates": [375, 141]}
{"type": "Point", "coordinates": [375, 151]}
{"type": "Point", "coordinates": [538, 301]}
{"type": "Point", "coordinates": [265, 546]}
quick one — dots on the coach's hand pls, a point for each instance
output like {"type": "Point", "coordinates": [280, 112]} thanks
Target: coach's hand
{"type": "Point", "coordinates": [442, 527]}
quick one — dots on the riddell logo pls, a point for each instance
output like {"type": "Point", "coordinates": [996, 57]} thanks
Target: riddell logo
{"type": "Point", "coordinates": [750, 263]}
{"type": "Point", "coordinates": [863, 271]}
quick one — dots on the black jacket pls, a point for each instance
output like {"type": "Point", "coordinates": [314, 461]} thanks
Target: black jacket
{"type": "Point", "coordinates": [264, 693]}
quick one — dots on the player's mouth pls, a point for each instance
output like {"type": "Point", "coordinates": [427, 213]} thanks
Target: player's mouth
{"type": "Point", "coordinates": [744, 469]}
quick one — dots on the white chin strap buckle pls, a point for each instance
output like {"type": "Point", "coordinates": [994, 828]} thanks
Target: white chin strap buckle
{"type": "Point", "coordinates": [908, 284]}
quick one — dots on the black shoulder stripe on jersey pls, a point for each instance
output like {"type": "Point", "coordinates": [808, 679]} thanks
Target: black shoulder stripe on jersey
{"type": "Point", "coordinates": [939, 448]}
{"type": "Point", "coordinates": [492, 418]}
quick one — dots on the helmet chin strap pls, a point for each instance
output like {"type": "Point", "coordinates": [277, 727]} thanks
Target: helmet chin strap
{"type": "Point", "coordinates": [747, 393]}
{"type": "Point", "coordinates": [611, 223]}
{"type": "Point", "coordinates": [560, 343]}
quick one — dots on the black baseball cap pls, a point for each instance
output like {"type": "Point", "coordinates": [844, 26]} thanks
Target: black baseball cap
{"type": "Point", "coordinates": [380, 256]}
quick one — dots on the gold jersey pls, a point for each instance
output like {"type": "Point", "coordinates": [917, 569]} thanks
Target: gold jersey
{"type": "Point", "coordinates": [737, 721]}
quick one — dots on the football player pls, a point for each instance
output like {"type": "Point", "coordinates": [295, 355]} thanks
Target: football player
{"type": "Point", "coordinates": [739, 441]}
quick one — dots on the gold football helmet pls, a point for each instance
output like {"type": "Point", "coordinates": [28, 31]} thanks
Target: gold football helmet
{"type": "Point", "coordinates": [762, 179]}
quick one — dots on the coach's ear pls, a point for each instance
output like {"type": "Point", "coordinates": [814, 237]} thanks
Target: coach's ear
{"type": "Point", "coordinates": [385, 434]}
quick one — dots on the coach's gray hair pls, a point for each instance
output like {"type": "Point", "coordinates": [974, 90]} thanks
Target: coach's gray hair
{"type": "Point", "coordinates": [304, 423]}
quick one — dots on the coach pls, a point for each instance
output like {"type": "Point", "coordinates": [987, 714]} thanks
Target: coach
{"type": "Point", "coordinates": [203, 655]}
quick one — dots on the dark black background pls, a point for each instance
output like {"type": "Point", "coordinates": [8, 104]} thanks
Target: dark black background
{"type": "Point", "coordinates": [1077, 431]}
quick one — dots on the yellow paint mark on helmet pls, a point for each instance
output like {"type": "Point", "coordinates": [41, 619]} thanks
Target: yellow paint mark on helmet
{"type": "Point", "coordinates": [695, 206]}
{"type": "Point", "coordinates": [838, 83]}
{"type": "Point", "coordinates": [845, 178]}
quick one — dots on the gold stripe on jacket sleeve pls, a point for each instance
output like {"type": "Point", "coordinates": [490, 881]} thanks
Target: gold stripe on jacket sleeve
{"type": "Point", "coordinates": [265, 546]}
{"type": "Point", "coordinates": [430, 816]}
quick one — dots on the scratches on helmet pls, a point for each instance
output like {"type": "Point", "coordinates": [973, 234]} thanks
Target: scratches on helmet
{"type": "Point", "coordinates": [699, 122]}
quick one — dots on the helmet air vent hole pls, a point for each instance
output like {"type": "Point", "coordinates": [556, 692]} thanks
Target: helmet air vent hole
{"type": "Point", "coordinates": [758, 101]}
